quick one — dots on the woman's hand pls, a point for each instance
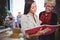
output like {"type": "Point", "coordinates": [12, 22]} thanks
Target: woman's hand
{"type": "Point", "coordinates": [27, 36]}
{"type": "Point", "coordinates": [46, 30]}
{"type": "Point", "coordinates": [40, 32]}
{"type": "Point", "coordinates": [37, 34]}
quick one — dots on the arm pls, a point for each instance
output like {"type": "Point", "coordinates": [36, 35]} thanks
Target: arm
{"type": "Point", "coordinates": [5, 21]}
{"type": "Point", "coordinates": [40, 17]}
{"type": "Point", "coordinates": [24, 25]}
{"type": "Point", "coordinates": [37, 34]}
{"type": "Point", "coordinates": [53, 22]}
{"type": "Point", "coordinates": [54, 19]}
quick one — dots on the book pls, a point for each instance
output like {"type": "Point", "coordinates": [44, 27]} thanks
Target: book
{"type": "Point", "coordinates": [52, 28]}
{"type": "Point", "coordinates": [35, 30]}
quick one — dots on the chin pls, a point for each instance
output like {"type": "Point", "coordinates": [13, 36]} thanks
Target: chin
{"type": "Point", "coordinates": [48, 11]}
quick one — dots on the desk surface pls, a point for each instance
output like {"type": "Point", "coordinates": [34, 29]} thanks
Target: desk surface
{"type": "Point", "coordinates": [6, 36]}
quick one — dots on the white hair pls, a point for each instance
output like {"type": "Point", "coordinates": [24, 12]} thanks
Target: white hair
{"type": "Point", "coordinates": [53, 2]}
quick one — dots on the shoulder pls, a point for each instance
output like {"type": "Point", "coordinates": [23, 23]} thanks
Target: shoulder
{"type": "Point", "coordinates": [6, 18]}
{"type": "Point", "coordinates": [54, 14]}
{"type": "Point", "coordinates": [36, 16]}
{"type": "Point", "coordinates": [41, 13]}
{"type": "Point", "coordinates": [23, 17]}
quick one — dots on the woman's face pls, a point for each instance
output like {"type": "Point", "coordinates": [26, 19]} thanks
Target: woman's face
{"type": "Point", "coordinates": [33, 8]}
{"type": "Point", "coordinates": [48, 7]}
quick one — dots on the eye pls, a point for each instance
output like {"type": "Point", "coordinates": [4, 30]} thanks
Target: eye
{"type": "Point", "coordinates": [49, 6]}
{"type": "Point", "coordinates": [32, 7]}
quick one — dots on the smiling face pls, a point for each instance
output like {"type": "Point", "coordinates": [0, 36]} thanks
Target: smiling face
{"type": "Point", "coordinates": [48, 7]}
{"type": "Point", "coordinates": [33, 8]}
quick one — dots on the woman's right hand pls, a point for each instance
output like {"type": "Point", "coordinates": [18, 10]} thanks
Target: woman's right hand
{"type": "Point", "coordinates": [46, 30]}
{"type": "Point", "coordinates": [39, 33]}
{"type": "Point", "coordinates": [27, 36]}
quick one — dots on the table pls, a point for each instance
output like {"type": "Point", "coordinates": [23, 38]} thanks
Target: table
{"type": "Point", "coordinates": [6, 36]}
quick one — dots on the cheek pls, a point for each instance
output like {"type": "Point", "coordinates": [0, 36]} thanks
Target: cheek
{"type": "Point", "coordinates": [49, 9]}
{"type": "Point", "coordinates": [34, 10]}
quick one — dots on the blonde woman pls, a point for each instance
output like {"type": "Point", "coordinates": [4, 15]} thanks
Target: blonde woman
{"type": "Point", "coordinates": [48, 18]}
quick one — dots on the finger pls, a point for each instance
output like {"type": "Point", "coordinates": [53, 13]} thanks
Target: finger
{"type": "Point", "coordinates": [40, 29]}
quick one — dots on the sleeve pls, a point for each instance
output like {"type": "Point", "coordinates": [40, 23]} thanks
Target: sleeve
{"type": "Point", "coordinates": [6, 18]}
{"type": "Point", "coordinates": [40, 17]}
{"type": "Point", "coordinates": [53, 22]}
{"type": "Point", "coordinates": [13, 18]}
{"type": "Point", "coordinates": [54, 19]}
{"type": "Point", "coordinates": [24, 24]}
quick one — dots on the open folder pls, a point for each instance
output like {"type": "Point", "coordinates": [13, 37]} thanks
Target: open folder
{"type": "Point", "coordinates": [35, 30]}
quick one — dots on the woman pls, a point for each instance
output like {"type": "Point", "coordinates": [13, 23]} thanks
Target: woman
{"type": "Point", "coordinates": [48, 18]}
{"type": "Point", "coordinates": [29, 19]}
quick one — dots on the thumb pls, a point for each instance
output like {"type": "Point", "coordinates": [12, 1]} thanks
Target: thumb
{"type": "Point", "coordinates": [41, 29]}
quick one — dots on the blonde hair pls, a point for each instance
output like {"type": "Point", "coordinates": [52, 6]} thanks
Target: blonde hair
{"type": "Point", "coordinates": [53, 2]}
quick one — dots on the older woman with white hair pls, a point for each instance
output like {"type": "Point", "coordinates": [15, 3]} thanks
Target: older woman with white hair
{"type": "Point", "coordinates": [48, 18]}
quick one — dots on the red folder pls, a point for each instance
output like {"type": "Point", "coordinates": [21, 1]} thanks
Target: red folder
{"type": "Point", "coordinates": [33, 31]}
{"type": "Point", "coordinates": [52, 27]}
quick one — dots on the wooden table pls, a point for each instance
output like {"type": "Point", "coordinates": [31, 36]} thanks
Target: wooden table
{"type": "Point", "coordinates": [6, 36]}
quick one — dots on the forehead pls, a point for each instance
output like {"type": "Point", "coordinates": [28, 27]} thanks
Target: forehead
{"type": "Point", "coordinates": [33, 4]}
{"type": "Point", "coordinates": [50, 4]}
{"type": "Point", "coordinates": [10, 14]}
{"type": "Point", "coordinates": [19, 12]}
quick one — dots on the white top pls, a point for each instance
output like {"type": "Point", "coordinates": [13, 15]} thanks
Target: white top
{"type": "Point", "coordinates": [28, 23]}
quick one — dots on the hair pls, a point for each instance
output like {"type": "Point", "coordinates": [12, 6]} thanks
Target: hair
{"type": "Point", "coordinates": [28, 6]}
{"type": "Point", "coordinates": [53, 2]}
{"type": "Point", "coordinates": [9, 13]}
